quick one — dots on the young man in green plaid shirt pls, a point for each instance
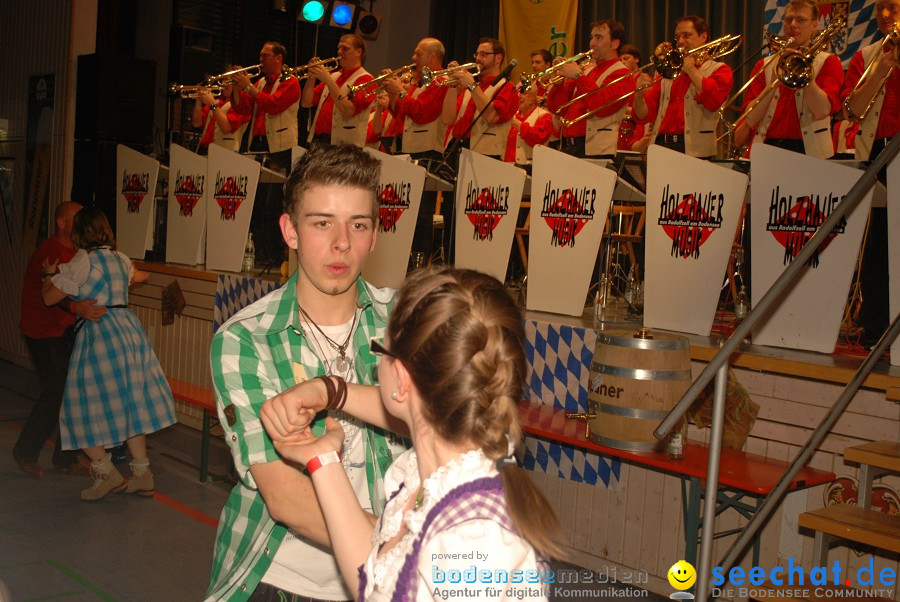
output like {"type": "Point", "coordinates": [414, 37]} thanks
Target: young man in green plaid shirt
{"type": "Point", "coordinates": [272, 540]}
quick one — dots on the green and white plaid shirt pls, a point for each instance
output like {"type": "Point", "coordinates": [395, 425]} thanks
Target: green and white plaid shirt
{"type": "Point", "coordinates": [252, 356]}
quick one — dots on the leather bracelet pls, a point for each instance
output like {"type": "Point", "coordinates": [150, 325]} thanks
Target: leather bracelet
{"type": "Point", "coordinates": [337, 395]}
{"type": "Point", "coordinates": [46, 275]}
{"type": "Point", "coordinates": [321, 460]}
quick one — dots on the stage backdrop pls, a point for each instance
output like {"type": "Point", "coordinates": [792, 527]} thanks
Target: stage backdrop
{"type": "Point", "coordinates": [186, 210]}
{"type": "Point", "coordinates": [233, 179]}
{"type": "Point", "coordinates": [693, 210]}
{"type": "Point", "coordinates": [893, 205]}
{"type": "Point", "coordinates": [399, 195]}
{"type": "Point", "coordinates": [792, 194]}
{"type": "Point", "coordinates": [135, 202]}
{"type": "Point", "coordinates": [488, 195]}
{"type": "Point", "coordinates": [528, 26]}
{"type": "Point", "coordinates": [569, 204]}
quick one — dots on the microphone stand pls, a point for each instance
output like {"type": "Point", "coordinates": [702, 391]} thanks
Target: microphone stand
{"type": "Point", "coordinates": [453, 147]}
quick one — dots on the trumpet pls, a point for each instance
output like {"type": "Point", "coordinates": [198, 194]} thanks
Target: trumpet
{"type": "Point", "coordinates": [793, 68]}
{"type": "Point", "coordinates": [892, 37]}
{"type": "Point", "coordinates": [228, 76]}
{"type": "Point", "coordinates": [442, 77]}
{"type": "Point", "coordinates": [548, 76]}
{"type": "Point", "coordinates": [405, 74]}
{"type": "Point", "coordinates": [302, 71]}
{"type": "Point", "coordinates": [668, 60]}
{"type": "Point", "coordinates": [193, 91]}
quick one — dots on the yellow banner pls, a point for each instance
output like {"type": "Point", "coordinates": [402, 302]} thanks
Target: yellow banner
{"type": "Point", "coordinates": [529, 25]}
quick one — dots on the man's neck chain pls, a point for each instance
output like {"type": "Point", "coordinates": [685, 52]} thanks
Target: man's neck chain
{"type": "Point", "coordinates": [342, 363]}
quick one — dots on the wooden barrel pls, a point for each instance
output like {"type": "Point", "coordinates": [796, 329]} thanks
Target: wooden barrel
{"type": "Point", "coordinates": [636, 378]}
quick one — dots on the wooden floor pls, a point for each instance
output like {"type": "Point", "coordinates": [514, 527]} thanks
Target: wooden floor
{"type": "Point", "coordinates": [53, 546]}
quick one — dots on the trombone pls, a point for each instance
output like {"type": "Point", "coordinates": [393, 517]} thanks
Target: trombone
{"type": "Point", "coordinates": [549, 77]}
{"type": "Point", "coordinates": [793, 68]}
{"type": "Point", "coordinates": [405, 74]}
{"type": "Point", "coordinates": [194, 91]}
{"type": "Point", "coordinates": [442, 77]}
{"type": "Point", "coordinates": [225, 78]}
{"type": "Point", "coordinates": [668, 60]}
{"type": "Point", "coordinates": [892, 37]}
{"type": "Point", "coordinates": [302, 71]}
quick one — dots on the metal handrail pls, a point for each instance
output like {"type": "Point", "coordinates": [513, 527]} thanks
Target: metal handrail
{"type": "Point", "coordinates": [719, 364]}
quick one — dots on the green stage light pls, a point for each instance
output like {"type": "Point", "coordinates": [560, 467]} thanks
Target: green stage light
{"type": "Point", "coordinates": [313, 11]}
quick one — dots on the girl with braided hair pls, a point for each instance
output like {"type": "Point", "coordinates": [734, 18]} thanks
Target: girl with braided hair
{"type": "Point", "coordinates": [461, 519]}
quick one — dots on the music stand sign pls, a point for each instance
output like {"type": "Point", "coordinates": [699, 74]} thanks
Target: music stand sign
{"type": "Point", "coordinates": [186, 210]}
{"type": "Point", "coordinates": [488, 196]}
{"type": "Point", "coordinates": [693, 212]}
{"type": "Point", "coordinates": [232, 179]}
{"type": "Point", "coordinates": [399, 195]}
{"type": "Point", "coordinates": [135, 202]}
{"type": "Point", "coordinates": [570, 200]}
{"type": "Point", "coordinates": [792, 194]}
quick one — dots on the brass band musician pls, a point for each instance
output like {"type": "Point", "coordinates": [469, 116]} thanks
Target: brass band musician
{"type": "Point", "coordinates": [880, 124]}
{"type": "Point", "coordinates": [489, 135]}
{"type": "Point", "coordinates": [338, 117]}
{"type": "Point", "coordinates": [797, 120]}
{"type": "Point", "coordinates": [596, 136]}
{"type": "Point", "coordinates": [683, 111]}
{"type": "Point", "coordinates": [221, 123]}
{"type": "Point", "coordinates": [272, 101]}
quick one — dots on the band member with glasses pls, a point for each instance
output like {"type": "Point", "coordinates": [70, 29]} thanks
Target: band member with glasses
{"type": "Point", "coordinates": [452, 369]}
{"type": "Point", "coordinates": [272, 102]}
{"type": "Point", "coordinates": [881, 123]}
{"type": "Point", "coordinates": [797, 120]}
{"type": "Point", "coordinates": [339, 118]}
{"type": "Point", "coordinates": [598, 135]}
{"type": "Point", "coordinates": [684, 110]}
{"type": "Point", "coordinates": [222, 124]}
{"type": "Point", "coordinates": [490, 134]}
{"type": "Point", "coordinates": [272, 543]}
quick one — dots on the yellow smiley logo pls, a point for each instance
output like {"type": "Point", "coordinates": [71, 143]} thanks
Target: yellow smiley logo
{"type": "Point", "coordinates": [682, 575]}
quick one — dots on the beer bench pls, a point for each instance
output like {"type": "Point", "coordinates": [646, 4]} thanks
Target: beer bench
{"type": "Point", "coordinates": [203, 398]}
{"type": "Point", "coordinates": [741, 474]}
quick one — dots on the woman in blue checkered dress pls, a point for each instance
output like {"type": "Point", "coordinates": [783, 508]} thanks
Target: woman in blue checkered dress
{"type": "Point", "coordinates": [116, 390]}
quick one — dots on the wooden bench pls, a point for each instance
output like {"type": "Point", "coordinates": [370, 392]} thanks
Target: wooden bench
{"type": "Point", "coordinates": [741, 474]}
{"type": "Point", "coordinates": [859, 523]}
{"type": "Point", "coordinates": [205, 399]}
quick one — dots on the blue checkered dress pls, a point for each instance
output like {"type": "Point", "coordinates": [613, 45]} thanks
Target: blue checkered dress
{"type": "Point", "coordinates": [116, 388]}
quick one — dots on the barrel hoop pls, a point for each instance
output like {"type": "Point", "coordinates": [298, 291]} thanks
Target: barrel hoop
{"type": "Point", "coordinates": [676, 344]}
{"type": "Point", "coordinates": [626, 445]}
{"type": "Point", "coordinates": [639, 374]}
{"type": "Point", "coordinates": [630, 412]}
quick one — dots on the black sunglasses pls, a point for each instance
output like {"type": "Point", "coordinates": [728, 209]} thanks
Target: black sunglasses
{"type": "Point", "coordinates": [378, 348]}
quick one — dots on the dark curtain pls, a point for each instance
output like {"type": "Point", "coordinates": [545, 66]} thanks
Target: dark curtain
{"type": "Point", "coordinates": [459, 24]}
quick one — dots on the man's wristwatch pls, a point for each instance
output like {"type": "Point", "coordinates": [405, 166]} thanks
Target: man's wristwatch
{"type": "Point", "coordinates": [401, 95]}
{"type": "Point", "coordinates": [471, 87]}
{"type": "Point", "coordinates": [247, 89]}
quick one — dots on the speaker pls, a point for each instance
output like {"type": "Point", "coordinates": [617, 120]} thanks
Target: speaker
{"type": "Point", "coordinates": [114, 99]}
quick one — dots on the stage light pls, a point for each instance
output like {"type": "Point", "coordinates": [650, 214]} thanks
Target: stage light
{"type": "Point", "coordinates": [342, 14]}
{"type": "Point", "coordinates": [368, 25]}
{"type": "Point", "coordinates": [313, 11]}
